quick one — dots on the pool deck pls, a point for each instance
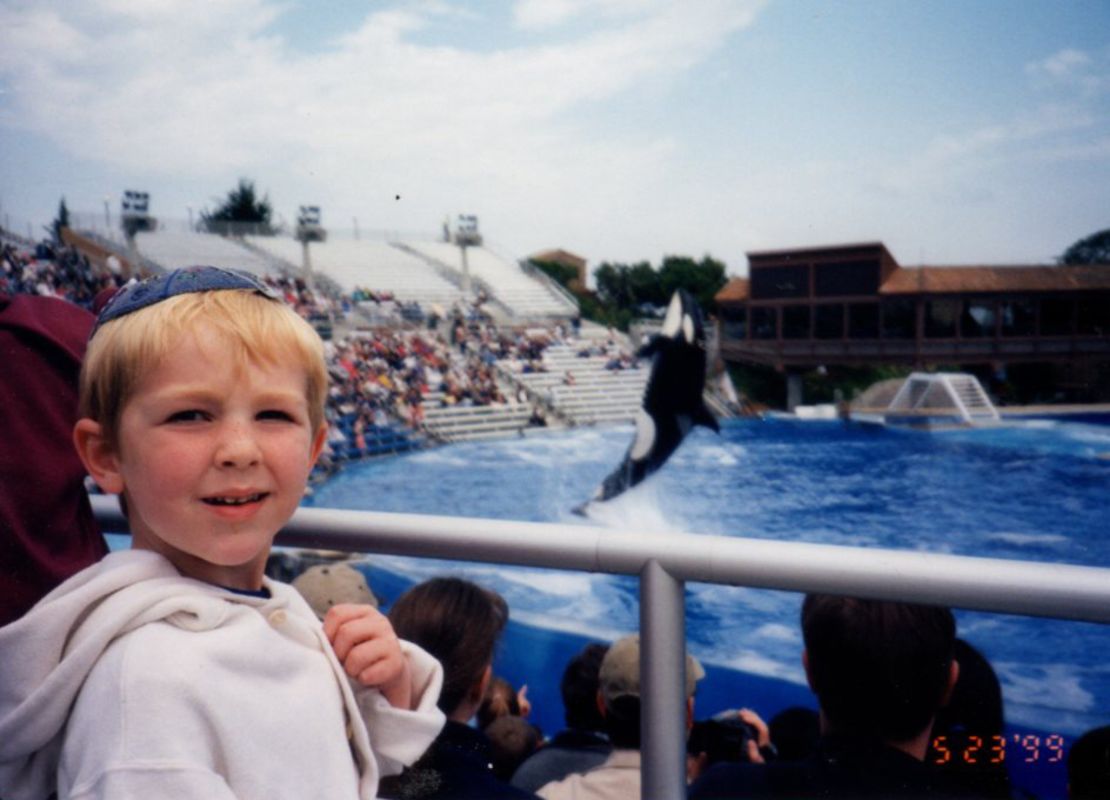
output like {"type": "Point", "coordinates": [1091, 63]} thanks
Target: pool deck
{"type": "Point", "coordinates": [1061, 410]}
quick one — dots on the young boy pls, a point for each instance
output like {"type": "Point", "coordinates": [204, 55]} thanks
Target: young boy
{"type": "Point", "coordinates": [177, 669]}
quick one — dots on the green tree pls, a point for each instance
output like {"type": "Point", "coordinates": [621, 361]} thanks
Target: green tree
{"type": "Point", "coordinates": [613, 288]}
{"type": "Point", "coordinates": [644, 285]}
{"type": "Point", "coordinates": [242, 206]}
{"type": "Point", "coordinates": [561, 273]}
{"type": "Point", "coordinates": [1095, 249]}
{"type": "Point", "coordinates": [702, 279]}
{"type": "Point", "coordinates": [62, 221]}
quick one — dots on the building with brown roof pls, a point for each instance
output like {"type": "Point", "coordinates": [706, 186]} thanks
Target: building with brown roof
{"type": "Point", "coordinates": [566, 259]}
{"type": "Point", "coordinates": [855, 305]}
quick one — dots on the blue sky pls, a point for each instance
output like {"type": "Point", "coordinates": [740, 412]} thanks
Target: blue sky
{"type": "Point", "coordinates": [973, 132]}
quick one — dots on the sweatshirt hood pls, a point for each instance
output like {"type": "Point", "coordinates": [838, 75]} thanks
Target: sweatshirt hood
{"type": "Point", "coordinates": [46, 655]}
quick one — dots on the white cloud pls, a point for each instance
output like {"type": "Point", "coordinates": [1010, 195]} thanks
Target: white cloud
{"type": "Point", "coordinates": [1071, 69]}
{"type": "Point", "coordinates": [160, 90]}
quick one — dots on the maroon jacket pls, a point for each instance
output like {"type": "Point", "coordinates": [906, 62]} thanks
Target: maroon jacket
{"type": "Point", "coordinates": [47, 530]}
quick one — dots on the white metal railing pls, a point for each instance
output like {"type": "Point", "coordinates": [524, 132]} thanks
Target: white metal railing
{"type": "Point", "coordinates": [664, 562]}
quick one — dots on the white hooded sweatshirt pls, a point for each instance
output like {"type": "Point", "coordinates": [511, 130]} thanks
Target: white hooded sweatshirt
{"type": "Point", "coordinates": [131, 681]}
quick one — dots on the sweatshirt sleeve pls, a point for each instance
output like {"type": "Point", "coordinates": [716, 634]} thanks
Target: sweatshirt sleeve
{"type": "Point", "coordinates": [398, 736]}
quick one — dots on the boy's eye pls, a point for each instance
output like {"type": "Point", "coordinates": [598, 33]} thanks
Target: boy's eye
{"type": "Point", "coordinates": [188, 415]}
{"type": "Point", "coordinates": [276, 414]}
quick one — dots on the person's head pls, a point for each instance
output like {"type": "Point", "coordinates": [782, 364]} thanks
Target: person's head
{"type": "Point", "coordinates": [579, 688]}
{"type": "Point", "coordinates": [143, 323]}
{"type": "Point", "coordinates": [201, 404]}
{"type": "Point", "coordinates": [879, 669]}
{"type": "Point", "coordinates": [326, 585]}
{"type": "Point", "coordinates": [619, 691]}
{"type": "Point", "coordinates": [459, 623]}
{"type": "Point", "coordinates": [500, 700]}
{"type": "Point", "coordinates": [1089, 765]}
{"type": "Point", "coordinates": [512, 739]}
{"type": "Point", "coordinates": [973, 713]}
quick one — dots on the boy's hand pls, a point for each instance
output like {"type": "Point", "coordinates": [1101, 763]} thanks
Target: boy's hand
{"type": "Point", "coordinates": [368, 649]}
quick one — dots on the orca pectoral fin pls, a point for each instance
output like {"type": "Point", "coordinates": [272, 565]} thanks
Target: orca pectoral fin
{"type": "Point", "coordinates": [704, 417]}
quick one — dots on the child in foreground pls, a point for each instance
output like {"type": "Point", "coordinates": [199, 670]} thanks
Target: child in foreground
{"type": "Point", "coordinates": [177, 669]}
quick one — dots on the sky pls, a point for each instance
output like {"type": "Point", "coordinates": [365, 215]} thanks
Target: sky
{"type": "Point", "coordinates": [967, 132]}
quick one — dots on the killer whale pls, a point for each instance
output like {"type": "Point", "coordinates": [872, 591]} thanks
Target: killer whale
{"type": "Point", "coordinates": [672, 402]}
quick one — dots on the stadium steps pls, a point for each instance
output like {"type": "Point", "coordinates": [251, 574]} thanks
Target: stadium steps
{"type": "Point", "coordinates": [465, 423]}
{"type": "Point", "coordinates": [503, 280]}
{"type": "Point", "coordinates": [598, 395]}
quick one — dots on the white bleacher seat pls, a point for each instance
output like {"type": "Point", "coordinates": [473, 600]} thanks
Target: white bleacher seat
{"type": "Point", "coordinates": [597, 395]}
{"type": "Point", "coordinates": [523, 295]}
{"type": "Point", "coordinates": [173, 249]}
{"type": "Point", "coordinates": [373, 265]}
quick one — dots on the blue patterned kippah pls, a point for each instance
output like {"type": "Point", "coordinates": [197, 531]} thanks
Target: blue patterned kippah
{"type": "Point", "coordinates": [185, 280]}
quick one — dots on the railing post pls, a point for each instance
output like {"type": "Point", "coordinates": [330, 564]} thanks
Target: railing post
{"type": "Point", "coordinates": [662, 684]}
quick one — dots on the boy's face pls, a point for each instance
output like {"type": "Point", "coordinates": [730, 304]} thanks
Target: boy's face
{"type": "Point", "coordinates": [213, 458]}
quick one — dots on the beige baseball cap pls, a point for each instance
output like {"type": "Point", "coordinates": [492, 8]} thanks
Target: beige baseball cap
{"type": "Point", "coordinates": [326, 585]}
{"type": "Point", "coordinates": [620, 670]}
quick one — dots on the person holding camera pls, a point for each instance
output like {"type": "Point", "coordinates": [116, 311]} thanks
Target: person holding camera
{"type": "Point", "coordinates": [730, 736]}
{"type": "Point", "coordinates": [881, 671]}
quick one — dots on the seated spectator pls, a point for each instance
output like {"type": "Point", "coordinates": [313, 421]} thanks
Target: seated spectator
{"type": "Point", "coordinates": [49, 532]}
{"type": "Point", "coordinates": [582, 745]}
{"type": "Point", "coordinates": [975, 710]}
{"type": "Point", "coordinates": [512, 739]}
{"type": "Point", "coordinates": [618, 777]}
{"type": "Point", "coordinates": [459, 623]}
{"type": "Point", "coordinates": [1089, 766]}
{"type": "Point", "coordinates": [881, 672]}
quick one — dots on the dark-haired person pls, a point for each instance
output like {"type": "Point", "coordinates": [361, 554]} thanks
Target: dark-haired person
{"type": "Point", "coordinates": [973, 712]}
{"type": "Point", "coordinates": [459, 623]}
{"type": "Point", "coordinates": [1089, 766]}
{"type": "Point", "coordinates": [618, 697]}
{"type": "Point", "coordinates": [582, 744]}
{"type": "Point", "coordinates": [881, 671]}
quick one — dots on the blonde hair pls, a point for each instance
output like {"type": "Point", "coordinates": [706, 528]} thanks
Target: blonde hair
{"type": "Point", "coordinates": [254, 327]}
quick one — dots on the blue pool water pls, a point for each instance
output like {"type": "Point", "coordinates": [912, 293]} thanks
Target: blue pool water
{"type": "Point", "coordinates": [1034, 491]}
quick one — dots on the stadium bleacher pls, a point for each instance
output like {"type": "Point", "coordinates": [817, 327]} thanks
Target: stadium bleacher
{"type": "Point", "coordinates": [374, 265]}
{"type": "Point", "coordinates": [505, 281]}
{"type": "Point", "coordinates": [171, 249]}
{"type": "Point", "coordinates": [480, 388]}
{"type": "Point", "coordinates": [597, 391]}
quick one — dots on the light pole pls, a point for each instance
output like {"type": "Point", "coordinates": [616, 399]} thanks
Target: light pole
{"type": "Point", "coordinates": [466, 235]}
{"type": "Point", "coordinates": [107, 216]}
{"type": "Point", "coordinates": [190, 210]}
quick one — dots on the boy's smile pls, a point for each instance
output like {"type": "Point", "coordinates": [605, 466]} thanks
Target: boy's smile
{"type": "Point", "coordinates": [213, 455]}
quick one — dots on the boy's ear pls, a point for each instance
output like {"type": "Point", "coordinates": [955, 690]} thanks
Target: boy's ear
{"type": "Point", "coordinates": [98, 455]}
{"type": "Point", "coordinates": [318, 442]}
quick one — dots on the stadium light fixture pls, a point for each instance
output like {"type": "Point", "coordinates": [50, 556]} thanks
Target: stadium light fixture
{"type": "Point", "coordinates": [466, 235]}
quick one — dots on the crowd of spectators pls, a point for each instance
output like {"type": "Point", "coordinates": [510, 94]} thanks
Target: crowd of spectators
{"type": "Point", "coordinates": [50, 270]}
{"type": "Point", "coordinates": [891, 682]}
{"type": "Point", "coordinates": [383, 378]}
